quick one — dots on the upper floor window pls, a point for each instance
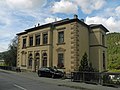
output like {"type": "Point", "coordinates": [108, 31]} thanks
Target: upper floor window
{"type": "Point", "coordinates": [37, 41]}
{"type": "Point", "coordinates": [45, 38]}
{"type": "Point", "coordinates": [61, 37]}
{"type": "Point", "coordinates": [103, 39]}
{"type": "Point", "coordinates": [31, 41]}
{"type": "Point", "coordinates": [60, 60]}
{"type": "Point", "coordinates": [24, 43]}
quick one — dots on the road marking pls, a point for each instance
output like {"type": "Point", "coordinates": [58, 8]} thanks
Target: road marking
{"type": "Point", "coordinates": [19, 87]}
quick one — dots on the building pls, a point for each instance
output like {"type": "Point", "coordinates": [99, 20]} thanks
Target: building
{"type": "Point", "coordinates": [62, 44]}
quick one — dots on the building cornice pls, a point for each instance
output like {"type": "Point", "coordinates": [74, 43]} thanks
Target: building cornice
{"type": "Point", "coordinates": [53, 24]}
{"type": "Point", "coordinates": [94, 26]}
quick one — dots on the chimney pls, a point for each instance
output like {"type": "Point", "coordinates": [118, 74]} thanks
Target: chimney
{"type": "Point", "coordinates": [82, 20]}
{"type": "Point", "coordinates": [75, 16]}
{"type": "Point", "coordinates": [55, 19]}
{"type": "Point", "coordinates": [38, 24]}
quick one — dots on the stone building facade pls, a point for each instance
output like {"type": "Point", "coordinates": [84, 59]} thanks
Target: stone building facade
{"type": "Point", "coordinates": [62, 44]}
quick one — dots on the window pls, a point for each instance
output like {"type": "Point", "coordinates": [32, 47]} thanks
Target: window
{"type": "Point", "coordinates": [24, 43]}
{"type": "Point", "coordinates": [104, 60]}
{"type": "Point", "coordinates": [61, 37]}
{"type": "Point", "coordinates": [103, 40]}
{"type": "Point", "coordinates": [45, 38]}
{"type": "Point", "coordinates": [37, 55]}
{"type": "Point", "coordinates": [37, 41]}
{"type": "Point", "coordinates": [60, 60]}
{"type": "Point", "coordinates": [30, 60]}
{"type": "Point", "coordinates": [44, 61]}
{"type": "Point", "coordinates": [31, 41]}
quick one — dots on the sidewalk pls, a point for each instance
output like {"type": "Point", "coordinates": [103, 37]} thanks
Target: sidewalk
{"type": "Point", "coordinates": [61, 82]}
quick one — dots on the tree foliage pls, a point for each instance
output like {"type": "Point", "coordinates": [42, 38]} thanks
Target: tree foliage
{"type": "Point", "coordinates": [85, 65]}
{"type": "Point", "coordinates": [1, 56]}
{"type": "Point", "coordinates": [113, 50]}
{"type": "Point", "coordinates": [10, 56]}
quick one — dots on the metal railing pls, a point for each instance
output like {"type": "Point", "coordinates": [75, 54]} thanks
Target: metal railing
{"type": "Point", "coordinates": [89, 77]}
{"type": "Point", "coordinates": [111, 79]}
{"type": "Point", "coordinates": [17, 69]}
{"type": "Point", "coordinates": [104, 78]}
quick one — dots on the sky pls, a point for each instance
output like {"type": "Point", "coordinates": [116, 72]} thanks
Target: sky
{"type": "Point", "coordinates": [19, 15]}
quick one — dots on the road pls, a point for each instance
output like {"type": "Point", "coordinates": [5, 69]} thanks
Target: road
{"type": "Point", "coordinates": [12, 81]}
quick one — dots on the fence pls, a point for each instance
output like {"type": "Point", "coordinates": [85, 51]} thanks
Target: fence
{"type": "Point", "coordinates": [10, 68]}
{"type": "Point", "coordinates": [109, 79]}
{"type": "Point", "coordinates": [112, 79]}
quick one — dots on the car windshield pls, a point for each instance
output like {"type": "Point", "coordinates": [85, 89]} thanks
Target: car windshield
{"type": "Point", "coordinates": [55, 69]}
{"type": "Point", "coordinates": [51, 69]}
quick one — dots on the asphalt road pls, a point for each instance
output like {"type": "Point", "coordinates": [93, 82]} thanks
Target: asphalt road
{"type": "Point", "coordinates": [11, 81]}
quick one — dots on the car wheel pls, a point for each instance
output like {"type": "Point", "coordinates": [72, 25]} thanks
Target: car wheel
{"type": "Point", "coordinates": [53, 76]}
{"type": "Point", "coordinates": [39, 74]}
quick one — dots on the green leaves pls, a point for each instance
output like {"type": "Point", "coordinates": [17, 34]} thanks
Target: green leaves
{"type": "Point", "coordinates": [10, 56]}
{"type": "Point", "coordinates": [113, 50]}
{"type": "Point", "coordinates": [85, 65]}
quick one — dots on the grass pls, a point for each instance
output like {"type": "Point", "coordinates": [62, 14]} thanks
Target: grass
{"type": "Point", "coordinates": [2, 64]}
{"type": "Point", "coordinates": [114, 70]}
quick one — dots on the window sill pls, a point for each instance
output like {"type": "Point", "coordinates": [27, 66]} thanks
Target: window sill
{"type": "Point", "coordinates": [24, 47]}
{"type": "Point", "coordinates": [23, 65]}
{"type": "Point", "coordinates": [45, 44]}
{"type": "Point", "coordinates": [38, 45]}
{"type": "Point", "coordinates": [60, 43]}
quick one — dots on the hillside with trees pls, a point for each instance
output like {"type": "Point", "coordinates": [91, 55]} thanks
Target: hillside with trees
{"type": "Point", "coordinates": [1, 56]}
{"type": "Point", "coordinates": [113, 50]}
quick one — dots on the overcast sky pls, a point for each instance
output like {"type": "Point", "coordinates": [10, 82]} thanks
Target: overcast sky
{"type": "Point", "coordinates": [18, 15]}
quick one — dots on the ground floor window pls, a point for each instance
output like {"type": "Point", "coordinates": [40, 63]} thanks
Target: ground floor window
{"type": "Point", "coordinates": [60, 60]}
{"type": "Point", "coordinates": [30, 62]}
{"type": "Point", "coordinates": [44, 60]}
{"type": "Point", "coordinates": [37, 56]}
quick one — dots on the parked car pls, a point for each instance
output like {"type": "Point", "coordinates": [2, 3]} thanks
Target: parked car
{"type": "Point", "coordinates": [50, 72]}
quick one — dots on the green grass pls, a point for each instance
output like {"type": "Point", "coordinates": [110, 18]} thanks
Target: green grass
{"type": "Point", "coordinates": [114, 70]}
{"type": "Point", "coordinates": [3, 64]}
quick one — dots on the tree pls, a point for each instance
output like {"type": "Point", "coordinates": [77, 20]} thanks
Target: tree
{"type": "Point", "coordinates": [85, 65]}
{"type": "Point", "coordinates": [1, 56]}
{"type": "Point", "coordinates": [13, 51]}
{"type": "Point", "coordinates": [113, 51]}
{"type": "Point", "coordinates": [10, 56]}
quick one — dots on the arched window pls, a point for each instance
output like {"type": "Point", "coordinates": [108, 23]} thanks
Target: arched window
{"type": "Point", "coordinates": [44, 60]}
{"type": "Point", "coordinates": [36, 62]}
{"type": "Point", "coordinates": [60, 60]}
{"type": "Point", "coordinates": [30, 60]}
{"type": "Point", "coordinates": [37, 54]}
